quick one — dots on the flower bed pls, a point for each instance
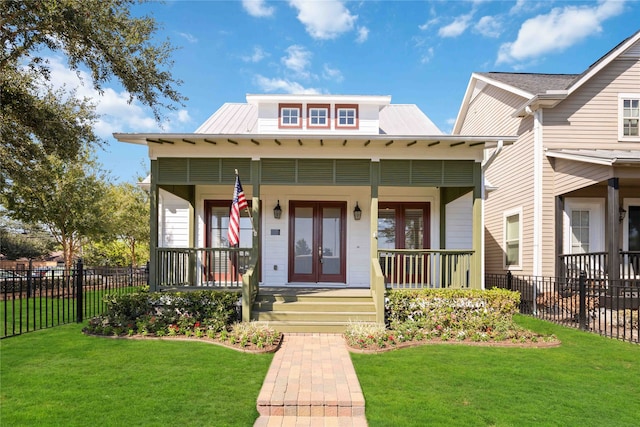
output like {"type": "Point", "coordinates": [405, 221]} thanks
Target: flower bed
{"type": "Point", "coordinates": [205, 315]}
{"type": "Point", "coordinates": [445, 316]}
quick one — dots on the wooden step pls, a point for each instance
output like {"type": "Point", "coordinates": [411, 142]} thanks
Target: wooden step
{"type": "Point", "coordinates": [313, 310]}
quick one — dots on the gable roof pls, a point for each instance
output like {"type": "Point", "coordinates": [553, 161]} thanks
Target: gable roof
{"type": "Point", "coordinates": [542, 89]}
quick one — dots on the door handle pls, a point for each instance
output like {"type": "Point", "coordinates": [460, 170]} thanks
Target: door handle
{"type": "Point", "coordinates": [320, 253]}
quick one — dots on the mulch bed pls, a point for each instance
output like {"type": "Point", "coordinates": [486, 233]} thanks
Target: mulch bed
{"type": "Point", "coordinates": [248, 348]}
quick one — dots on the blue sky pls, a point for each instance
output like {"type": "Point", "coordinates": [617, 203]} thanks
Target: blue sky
{"type": "Point", "coordinates": [419, 52]}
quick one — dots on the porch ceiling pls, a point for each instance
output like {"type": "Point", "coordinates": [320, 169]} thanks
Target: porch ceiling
{"type": "Point", "coordinates": [321, 140]}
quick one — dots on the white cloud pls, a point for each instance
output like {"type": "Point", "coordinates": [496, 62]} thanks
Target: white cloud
{"type": "Point", "coordinates": [430, 23]}
{"type": "Point", "coordinates": [189, 37]}
{"type": "Point", "coordinates": [324, 19]}
{"type": "Point", "coordinates": [557, 30]}
{"type": "Point", "coordinates": [363, 35]}
{"type": "Point", "coordinates": [257, 8]}
{"type": "Point", "coordinates": [282, 86]}
{"type": "Point", "coordinates": [427, 56]}
{"type": "Point", "coordinates": [113, 107]}
{"type": "Point", "coordinates": [332, 74]}
{"type": "Point", "coordinates": [456, 28]}
{"type": "Point", "coordinates": [298, 59]}
{"type": "Point", "coordinates": [489, 26]}
{"type": "Point", "coordinates": [257, 55]}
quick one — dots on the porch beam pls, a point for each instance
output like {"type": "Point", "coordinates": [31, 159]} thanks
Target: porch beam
{"type": "Point", "coordinates": [153, 225]}
{"type": "Point", "coordinates": [613, 228]}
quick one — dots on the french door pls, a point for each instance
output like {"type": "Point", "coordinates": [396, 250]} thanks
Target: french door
{"type": "Point", "coordinates": [317, 242]}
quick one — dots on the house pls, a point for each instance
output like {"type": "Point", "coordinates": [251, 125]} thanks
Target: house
{"type": "Point", "coordinates": [566, 196]}
{"type": "Point", "coordinates": [345, 192]}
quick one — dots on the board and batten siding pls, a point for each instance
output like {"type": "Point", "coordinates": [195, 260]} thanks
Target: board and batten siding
{"type": "Point", "coordinates": [459, 217]}
{"type": "Point", "coordinates": [173, 224]}
{"type": "Point", "coordinates": [514, 164]}
{"type": "Point", "coordinates": [588, 118]}
{"type": "Point", "coordinates": [490, 111]}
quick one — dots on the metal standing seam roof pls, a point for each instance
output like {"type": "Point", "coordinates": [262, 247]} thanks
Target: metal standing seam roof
{"type": "Point", "coordinates": [394, 119]}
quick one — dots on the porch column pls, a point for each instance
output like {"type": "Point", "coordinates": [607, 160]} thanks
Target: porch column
{"type": "Point", "coordinates": [613, 229]}
{"type": "Point", "coordinates": [248, 292]}
{"type": "Point", "coordinates": [476, 281]}
{"type": "Point", "coordinates": [153, 225]}
{"type": "Point", "coordinates": [559, 235]}
{"type": "Point", "coordinates": [373, 209]}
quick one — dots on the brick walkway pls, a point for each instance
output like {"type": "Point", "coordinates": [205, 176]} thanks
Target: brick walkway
{"type": "Point", "coordinates": [311, 382]}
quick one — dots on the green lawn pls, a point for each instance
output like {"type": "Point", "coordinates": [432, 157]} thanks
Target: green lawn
{"type": "Point", "coordinates": [588, 381]}
{"type": "Point", "coordinates": [59, 377]}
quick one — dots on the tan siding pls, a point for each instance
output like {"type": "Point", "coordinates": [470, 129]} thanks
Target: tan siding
{"type": "Point", "coordinates": [514, 161]}
{"type": "Point", "coordinates": [571, 175]}
{"type": "Point", "coordinates": [548, 237]}
{"type": "Point", "coordinates": [588, 118]}
{"type": "Point", "coordinates": [490, 113]}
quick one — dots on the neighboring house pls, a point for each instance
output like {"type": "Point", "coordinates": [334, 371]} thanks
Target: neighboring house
{"type": "Point", "coordinates": [566, 195]}
{"type": "Point", "coordinates": [345, 191]}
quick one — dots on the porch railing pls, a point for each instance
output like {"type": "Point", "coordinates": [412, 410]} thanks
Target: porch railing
{"type": "Point", "coordinates": [595, 265]}
{"type": "Point", "coordinates": [425, 268]}
{"type": "Point", "coordinates": [204, 267]}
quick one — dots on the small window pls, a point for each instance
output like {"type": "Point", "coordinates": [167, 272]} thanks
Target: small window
{"type": "Point", "coordinates": [629, 113]}
{"type": "Point", "coordinates": [512, 240]}
{"type": "Point", "coordinates": [347, 116]}
{"type": "Point", "coordinates": [317, 116]}
{"type": "Point", "coordinates": [290, 116]}
{"type": "Point", "coordinates": [579, 224]}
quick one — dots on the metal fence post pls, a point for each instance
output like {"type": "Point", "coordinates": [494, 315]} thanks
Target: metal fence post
{"type": "Point", "coordinates": [509, 281]}
{"type": "Point", "coordinates": [582, 286]}
{"type": "Point", "coordinates": [79, 277]}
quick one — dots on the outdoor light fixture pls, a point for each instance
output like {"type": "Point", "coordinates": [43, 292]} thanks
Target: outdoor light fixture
{"type": "Point", "coordinates": [277, 211]}
{"type": "Point", "coordinates": [357, 212]}
{"type": "Point", "coordinates": [621, 213]}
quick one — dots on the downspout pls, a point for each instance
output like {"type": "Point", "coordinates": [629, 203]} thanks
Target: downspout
{"type": "Point", "coordinates": [492, 157]}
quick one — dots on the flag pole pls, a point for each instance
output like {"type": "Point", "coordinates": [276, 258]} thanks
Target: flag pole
{"type": "Point", "coordinates": [255, 233]}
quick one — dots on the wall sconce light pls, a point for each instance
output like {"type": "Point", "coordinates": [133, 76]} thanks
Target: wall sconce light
{"type": "Point", "coordinates": [357, 212]}
{"type": "Point", "coordinates": [621, 213]}
{"type": "Point", "coordinates": [277, 211]}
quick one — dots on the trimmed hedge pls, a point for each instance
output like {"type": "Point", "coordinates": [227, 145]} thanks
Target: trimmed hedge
{"type": "Point", "coordinates": [166, 313]}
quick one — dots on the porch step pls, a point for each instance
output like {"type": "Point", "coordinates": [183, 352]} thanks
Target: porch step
{"type": "Point", "coordinates": [314, 310]}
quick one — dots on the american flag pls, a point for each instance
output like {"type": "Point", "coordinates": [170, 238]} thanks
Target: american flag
{"type": "Point", "coordinates": [239, 203]}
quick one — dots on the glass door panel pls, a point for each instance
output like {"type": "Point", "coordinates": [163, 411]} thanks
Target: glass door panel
{"type": "Point", "coordinates": [303, 238]}
{"type": "Point", "coordinates": [331, 241]}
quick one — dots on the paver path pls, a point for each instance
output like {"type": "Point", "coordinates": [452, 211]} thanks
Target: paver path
{"type": "Point", "coordinates": [311, 382]}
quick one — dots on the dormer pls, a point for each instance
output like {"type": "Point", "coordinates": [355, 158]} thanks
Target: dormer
{"type": "Point", "coordinates": [319, 114]}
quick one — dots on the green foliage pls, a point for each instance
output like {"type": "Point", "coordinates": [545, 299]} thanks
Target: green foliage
{"type": "Point", "coordinates": [444, 314]}
{"type": "Point", "coordinates": [186, 313]}
{"type": "Point", "coordinates": [98, 35]}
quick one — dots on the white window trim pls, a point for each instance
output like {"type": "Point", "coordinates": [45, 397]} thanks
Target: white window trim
{"type": "Point", "coordinates": [596, 207]}
{"type": "Point", "coordinates": [325, 117]}
{"type": "Point", "coordinates": [621, 98]}
{"type": "Point", "coordinates": [625, 223]}
{"type": "Point", "coordinates": [505, 215]}
{"type": "Point", "coordinates": [355, 117]}
{"type": "Point", "coordinates": [290, 125]}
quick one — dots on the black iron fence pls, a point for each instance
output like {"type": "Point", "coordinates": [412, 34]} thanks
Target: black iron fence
{"type": "Point", "coordinates": [601, 306]}
{"type": "Point", "coordinates": [36, 299]}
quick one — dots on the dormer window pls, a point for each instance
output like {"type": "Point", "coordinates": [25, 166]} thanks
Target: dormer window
{"type": "Point", "coordinates": [290, 115]}
{"type": "Point", "coordinates": [347, 116]}
{"type": "Point", "coordinates": [317, 116]}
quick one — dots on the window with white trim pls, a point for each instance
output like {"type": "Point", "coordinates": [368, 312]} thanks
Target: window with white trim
{"type": "Point", "coordinates": [513, 239]}
{"type": "Point", "coordinates": [629, 117]}
{"type": "Point", "coordinates": [579, 224]}
{"type": "Point", "coordinates": [346, 116]}
{"type": "Point", "coordinates": [290, 116]}
{"type": "Point", "coordinates": [317, 116]}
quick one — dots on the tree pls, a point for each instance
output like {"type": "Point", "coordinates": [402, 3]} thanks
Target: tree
{"type": "Point", "coordinates": [130, 220]}
{"type": "Point", "coordinates": [100, 35]}
{"type": "Point", "coordinates": [65, 196]}
{"type": "Point", "coordinates": [23, 241]}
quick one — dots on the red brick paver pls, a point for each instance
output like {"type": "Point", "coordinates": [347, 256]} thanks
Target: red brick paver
{"type": "Point", "coordinates": [311, 382]}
